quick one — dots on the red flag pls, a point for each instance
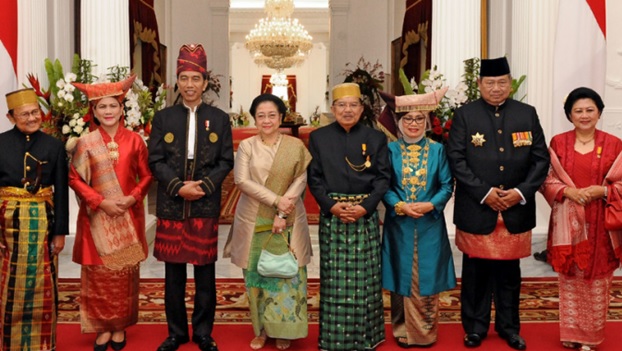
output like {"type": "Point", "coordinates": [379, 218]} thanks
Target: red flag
{"type": "Point", "coordinates": [580, 56]}
{"type": "Point", "coordinates": [8, 56]}
{"type": "Point", "coordinates": [416, 52]}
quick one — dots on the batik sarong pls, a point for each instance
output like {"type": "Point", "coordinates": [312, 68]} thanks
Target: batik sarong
{"type": "Point", "coordinates": [109, 298]}
{"type": "Point", "coordinates": [415, 317]}
{"type": "Point", "coordinates": [351, 310]}
{"type": "Point", "coordinates": [28, 283]}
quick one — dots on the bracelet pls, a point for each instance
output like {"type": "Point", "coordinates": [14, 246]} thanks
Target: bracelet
{"type": "Point", "coordinates": [281, 215]}
{"type": "Point", "coordinates": [398, 208]}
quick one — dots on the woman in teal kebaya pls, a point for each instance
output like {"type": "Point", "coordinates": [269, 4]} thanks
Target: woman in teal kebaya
{"type": "Point", "coordinates": [417, 262]}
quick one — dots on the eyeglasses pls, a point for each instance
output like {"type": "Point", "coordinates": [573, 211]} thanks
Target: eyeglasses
{"type": "Point", "coordinates": [36, 113]}
{"type": "Point", "coordinates": [344, 105]}
{"type": "Point", "coordinates": [409, 120]}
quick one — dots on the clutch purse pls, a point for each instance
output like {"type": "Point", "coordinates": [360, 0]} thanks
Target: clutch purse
{"type": "Point", "coordinates": [613, 211]}
{"type": "Point", "coordinates": [277, 266]}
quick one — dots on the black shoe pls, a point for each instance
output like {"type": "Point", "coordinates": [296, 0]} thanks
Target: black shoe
{"type": "Point", "coordinates": [117, 346]}
{"type": "Point", "coordinates": [540, 256]}
{"type": "Point", "coordinates": [98, 347]}
{"type": "Point", "coordinates": [172, 343]}
{"type": "Point", "coordinates": [516, 342]}
{"type": "Point", "coordinates": [472, 340]}
{"type": "Point", "coordinates": [205, 342]}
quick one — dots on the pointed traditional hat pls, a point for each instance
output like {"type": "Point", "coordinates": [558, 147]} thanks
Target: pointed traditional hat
{"type": "Point", "coordinates": [99, 91]}
{"type": "Point", "coordinates": [20, 98]}
{"type": "Point", "coordinates": [420, 102]}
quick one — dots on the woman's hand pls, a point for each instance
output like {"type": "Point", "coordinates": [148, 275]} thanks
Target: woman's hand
{"type": "Point", "coordinates": [595, 191]}
{"type": "Point", "coordinates": [111, 208]}
{"type": "Point", "coordinates": [421, 207]}
{"type": "Point", "coordinates": [278, 226]}
{"type": "Point", "coordinates": [286, 205]}
{"type": "Point", "coordinates": [580, 196]}
{"type": "Point", "coordinates": [125, 202]}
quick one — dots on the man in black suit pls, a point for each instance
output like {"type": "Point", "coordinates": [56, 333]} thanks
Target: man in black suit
{"type": "Point", "coordinates": [499, 157]}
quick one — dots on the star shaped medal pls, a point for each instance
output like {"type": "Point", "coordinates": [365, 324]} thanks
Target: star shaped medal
{"type": "Point", "coordinates": [478, 139]}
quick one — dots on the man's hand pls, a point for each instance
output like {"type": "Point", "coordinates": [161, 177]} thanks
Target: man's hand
{"type": "Point", "coordinates": [58, 244]}
{"type": "Point", "coordinates": [191, 190]}
{"type": "Point", "coordinates": [510, 197]}
{"type": "Point", "coordinates": [495, 201]}
{"type": "Point", "coordinates": [347, 213]}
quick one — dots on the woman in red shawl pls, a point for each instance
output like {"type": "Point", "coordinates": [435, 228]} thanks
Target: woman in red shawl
{"type": "Point", "coordinates": [110, 174]}
{"type": "Point", "coordinates": [585, 166]}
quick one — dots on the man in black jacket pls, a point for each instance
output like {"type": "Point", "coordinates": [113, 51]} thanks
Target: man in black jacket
{"type": "Point", "coordinates": [190, 154]}
{"type": "Point", "coordinates": [498, 155]}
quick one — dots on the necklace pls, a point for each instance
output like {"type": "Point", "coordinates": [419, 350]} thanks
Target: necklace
{"type": "Point", "coordinates": [278, 138]}
{"type": "Point", "coordinates": [585, 142]}
{"type": "Point", "coordinates": [414, 168]}
{"type": "Point", "coordinates": [113, 150]}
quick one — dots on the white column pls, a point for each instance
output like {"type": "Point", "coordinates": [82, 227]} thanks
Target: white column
{"type": "Point", "coordinates": [533, 35]}
{"type": "Point", "coordinates": [104, 34]}
{"type": "Point", "coordinates": [62, 32]}
{"type": "Point", "coordinates": [32, 39]}
{"type": "Point", "coordinates": [218, 53]}
{"type": "Point", "coordinates": [456, 36]}
{"type": "Point", "coordinates": [338, 54]}
{"type": "Point", "coordinates": [499, 33]}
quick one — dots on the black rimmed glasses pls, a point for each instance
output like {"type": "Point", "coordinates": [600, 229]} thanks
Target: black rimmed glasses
{"type": "Point", "coordinates": [409, 120]}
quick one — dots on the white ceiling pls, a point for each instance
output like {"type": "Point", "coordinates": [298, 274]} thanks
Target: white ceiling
{"type": "Point", "coordinates": [257, 4]}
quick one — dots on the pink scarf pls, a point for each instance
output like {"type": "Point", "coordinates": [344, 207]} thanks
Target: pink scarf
{"type": "Point", "coordinates": [568, 243]}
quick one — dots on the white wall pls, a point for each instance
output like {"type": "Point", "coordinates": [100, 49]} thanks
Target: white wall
{"type": "Point", "coordinates": [310, 79]}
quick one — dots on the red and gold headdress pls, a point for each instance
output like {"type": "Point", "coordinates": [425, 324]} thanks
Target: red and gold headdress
{"type": "Point", "coordinates": [192, 57]}
{"type": "Point", "coordinates": [98, 91]}
{"type": "Point", "coordinates": [420, 102]}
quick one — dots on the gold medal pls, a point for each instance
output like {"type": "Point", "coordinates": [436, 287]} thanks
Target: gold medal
{"type": "Point", "coordinates": [213, 137]}
{"type": "Point", "coordinates": [478, 139]}
{"type": "Point", "coordinates": [367, 162]}
{"type": "Point", "coordinates": [169, 137]}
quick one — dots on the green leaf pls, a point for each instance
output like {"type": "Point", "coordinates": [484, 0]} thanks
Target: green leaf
{"type": "Point", "coordinates": [408, 90]}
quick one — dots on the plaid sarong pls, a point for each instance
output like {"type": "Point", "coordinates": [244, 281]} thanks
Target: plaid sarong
{"type": "Point", "coordinates": [351, 310]}
{"type": "Point", "coordinates": [28, 282]}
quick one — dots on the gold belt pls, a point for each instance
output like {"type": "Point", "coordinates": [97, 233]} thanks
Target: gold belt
{"type": "Point", "coordinates": [11, 193]}
{"type": "Point", "coordinates": [353, 199]}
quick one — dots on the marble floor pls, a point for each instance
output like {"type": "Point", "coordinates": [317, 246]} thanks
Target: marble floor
{"type": "Point", "coordinates": [152, 268]}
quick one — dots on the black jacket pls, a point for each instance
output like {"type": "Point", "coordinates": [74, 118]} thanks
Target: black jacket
{"type": "Point", "coordinates": [168, 159]}
{"type": "Point", "coordinates": [498, 162]}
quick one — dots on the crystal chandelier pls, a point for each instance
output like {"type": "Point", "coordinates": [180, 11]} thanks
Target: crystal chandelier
{"type": "Point", "coordinates": [278, 41]}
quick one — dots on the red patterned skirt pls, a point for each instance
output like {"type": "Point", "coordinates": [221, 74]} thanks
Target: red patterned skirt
{"type": "Point", "coordinates": [194, 240]}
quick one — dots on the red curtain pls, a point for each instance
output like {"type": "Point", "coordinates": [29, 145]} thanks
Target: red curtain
{"type": "Point", "coordinates": [416, 52]}
{"type": "Point", "coordinates": [292, 94]}
{"type": "Point", "coordinates": [144, 27]}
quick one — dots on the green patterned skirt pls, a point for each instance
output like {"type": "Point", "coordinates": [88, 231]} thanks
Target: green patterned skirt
{"type": "Point", "coordinates": [351, 310]}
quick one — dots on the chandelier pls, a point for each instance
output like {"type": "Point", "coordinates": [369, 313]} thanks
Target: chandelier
{"type": "Point", "coordinates": [278, 41]}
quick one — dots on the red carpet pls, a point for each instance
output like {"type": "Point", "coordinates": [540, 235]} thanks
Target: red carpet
{"type": "Point", "coordinates": [231, 337]}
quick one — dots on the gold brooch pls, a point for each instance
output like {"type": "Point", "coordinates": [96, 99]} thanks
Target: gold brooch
{"type": "Point", "coordinates": [169, 137]}
{"type": "Point", "coordinates": [213, 137]}
{"type": "Point", "coordinates": [478, 139]}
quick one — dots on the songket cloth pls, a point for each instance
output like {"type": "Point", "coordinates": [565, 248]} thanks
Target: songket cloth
{"type": "Point", "coordinates": [278, 306]}
{"type": "Point", "coordinates": [498, 245]}
{"type": "Point", "coordinates": [351, 309]}
{"type": "Point", "coordinates": [109, 298]}
{"type": "Point", "coordinates": [28, 309]}
{"type": "Point", "coordinates": [415, 317]}
{"type": "Point", "coordinates": [583, 305]}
